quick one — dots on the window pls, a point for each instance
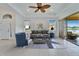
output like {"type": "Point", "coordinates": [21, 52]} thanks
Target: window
{"type": "Point", "coordinates": [73, 26]}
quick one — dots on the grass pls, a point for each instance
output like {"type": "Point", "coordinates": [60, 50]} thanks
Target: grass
{"type": "Point", "coordinates": [71, 28]}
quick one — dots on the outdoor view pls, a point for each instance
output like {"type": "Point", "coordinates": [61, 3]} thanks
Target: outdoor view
{"type": "Point", "coordinates": [73, 26]}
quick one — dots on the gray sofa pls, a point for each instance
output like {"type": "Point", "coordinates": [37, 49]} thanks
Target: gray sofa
{"type": "Point", "coordinates": [39, 36]}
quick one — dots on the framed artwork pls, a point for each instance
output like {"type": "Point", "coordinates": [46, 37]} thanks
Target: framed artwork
{"type": "Point", "coordinates": [40, 26]}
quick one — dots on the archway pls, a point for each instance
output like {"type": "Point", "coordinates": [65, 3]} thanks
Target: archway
{"type": "Point", "coordinates": [6, 26]}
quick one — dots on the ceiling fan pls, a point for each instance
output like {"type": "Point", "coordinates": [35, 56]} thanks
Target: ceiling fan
{"type": "Point", "coordinates": [40, 7]}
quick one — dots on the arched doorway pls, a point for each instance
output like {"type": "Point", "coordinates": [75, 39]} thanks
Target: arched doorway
{"type": "Point", "coordinates": [6, 27]}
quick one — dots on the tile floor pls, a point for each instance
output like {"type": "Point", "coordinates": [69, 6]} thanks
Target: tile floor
{"type": "Point", "coordinates": [61, 48]}
{"type": "Point", "coordinates": [76, 41]}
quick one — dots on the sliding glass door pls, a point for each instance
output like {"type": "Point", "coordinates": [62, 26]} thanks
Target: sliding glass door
{"type": "Point", "coordinates": [72, 28]}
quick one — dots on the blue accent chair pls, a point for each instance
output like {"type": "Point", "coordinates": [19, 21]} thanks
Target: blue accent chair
{"type": "Point", "coordinates": [21, 40]}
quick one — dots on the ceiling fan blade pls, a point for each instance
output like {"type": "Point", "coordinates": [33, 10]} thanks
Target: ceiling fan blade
{"type": "Point", "coordinates": [39, 4]}
{"type": "Point", "coordinates": [45, 6]}
{"type": "Point", "coordinates": [42, 10]}
{"type": "Point", "coordinates": [36, 10]}
{"type": "Point", "coordinates": [32, 7]}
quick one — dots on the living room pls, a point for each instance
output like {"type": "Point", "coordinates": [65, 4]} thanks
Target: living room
{"type": "Point", "coordinates": [31, 28]}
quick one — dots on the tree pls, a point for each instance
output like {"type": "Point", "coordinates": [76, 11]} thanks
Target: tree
{"type": "Point", "coordinates": [74, 28]}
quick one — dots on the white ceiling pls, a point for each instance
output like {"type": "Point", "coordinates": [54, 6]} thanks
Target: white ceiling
{"type": "Point", "coordinates": [57, 10]}
{"type": "Point", "coordinates": [53, 11]}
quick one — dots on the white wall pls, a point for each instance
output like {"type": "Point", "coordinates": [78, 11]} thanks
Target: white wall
{"type": "Point", "coordinates": [57, 29]}
{"type": "Point", "coordinates": [34, 21]}
{"type": "Point", "coordinates": [62, 28]}
{"type": "Point", "coordinates": [19, 23]}
{"type": "Point", "coordinates": [4, 9]}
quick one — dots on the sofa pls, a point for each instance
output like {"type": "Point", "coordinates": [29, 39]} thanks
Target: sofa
{"type": "Point", "coordinates": [39, 36]}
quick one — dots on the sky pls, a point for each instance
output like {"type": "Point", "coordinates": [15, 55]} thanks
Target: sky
{"type": "Point", "coordinates": [72, 23]}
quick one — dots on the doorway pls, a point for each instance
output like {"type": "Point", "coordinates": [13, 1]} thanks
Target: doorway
{"type": "Point", "coordinates": [5, 31]}
{"type": "Point", "coordinates": [72, 28]}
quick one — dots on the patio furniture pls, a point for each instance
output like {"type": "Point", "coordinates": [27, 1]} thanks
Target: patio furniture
{"type": "Point", "coordinates": [71, 36]}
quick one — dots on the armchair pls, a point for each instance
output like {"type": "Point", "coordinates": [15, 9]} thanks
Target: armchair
{"type": "Point", "coordinates": [21, 40]}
